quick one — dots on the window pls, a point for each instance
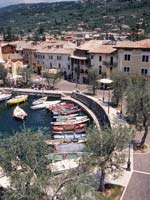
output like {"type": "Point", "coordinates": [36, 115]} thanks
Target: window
{"type": "Point", "coordinates": [68, 66]}
{"type": "Point", "coordinates": [59, 65]}
{"type": "Point", "coordinates": [82, 62]}
{"type": "Point", "coordinates": [50, 65]}
{"type": "Point", "coordinates": [68, 58]}
{"type": "Point", "coordinates": [127, 57]}
{"type": "Point", "coordinates": [145, 58]}
{"type": "Point", "coordinates": [126, 69]}
{"type": "Point", "coordinates": [91, 56]}
{"type": "Point", "coordinates": [144, 71]}
{"type": "Point", "coordinates": [100, 58]}
{"type": "Point", "coordinates": [58, 57]}
{"type": "Point", "coordinates": [100, 69]}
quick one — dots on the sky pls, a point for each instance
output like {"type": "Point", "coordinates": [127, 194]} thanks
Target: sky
{"type": "Point", "coordinates": [4, 3]}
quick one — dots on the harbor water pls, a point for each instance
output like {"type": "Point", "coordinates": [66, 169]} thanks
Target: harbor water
{"type": "Point", "coordinates": [36, 118]}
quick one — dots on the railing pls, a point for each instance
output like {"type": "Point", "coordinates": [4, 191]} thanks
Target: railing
{"type": "Point", "coordinates": [110, 64]}
{"type": "Point", "coordinates": [95, 107]}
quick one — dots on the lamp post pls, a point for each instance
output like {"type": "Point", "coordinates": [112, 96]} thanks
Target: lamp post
{"type": "Point", "coordinates": [103, 91]}
{"type": "Point", "coordinates": [108, 100]}
{"type": "Point", "coordinates": [129, 161]}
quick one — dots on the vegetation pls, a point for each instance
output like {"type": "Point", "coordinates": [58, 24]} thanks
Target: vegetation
{"type": "Point", "coordinates": [119, 16]}
{"type": "Point", "coordinates": [119, 88]}
{"type": "Point", "coordinates": [52, 78]}
{"type": "Point", "coordinates": [138, 104]}
{"type": "Point", "coordinates": [93, 76]}
{"type": "Point", "coordinates": [23, 160]}
{"type": "Point", "coordinates": [3, 74]}
{"type": "Point", "coordinates": [106, 151]}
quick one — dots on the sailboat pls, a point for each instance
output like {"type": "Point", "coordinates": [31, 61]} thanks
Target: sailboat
{"type": "Point", "coordinates": [19, 113]}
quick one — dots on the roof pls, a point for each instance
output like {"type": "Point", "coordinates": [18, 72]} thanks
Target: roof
{"type": "Point", "coordinates": [55, 51]}
{"type": "Point", "coordinates": [142, 44]}
{"type": "Point", "coordinates": [92, 44]}
{"type": "Point", "coordinates": [12, 56]}
{"type": "Point", "coordinates": [103, 49]}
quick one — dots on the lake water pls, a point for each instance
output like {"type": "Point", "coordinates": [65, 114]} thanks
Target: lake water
{"type": "Point", "coordinates": [35, 119]}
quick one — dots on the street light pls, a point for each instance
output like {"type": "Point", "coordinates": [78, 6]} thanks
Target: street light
{"type": "Point", "coordinates": [129, 161]}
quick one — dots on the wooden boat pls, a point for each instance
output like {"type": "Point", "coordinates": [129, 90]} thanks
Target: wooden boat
{"type": "Point", "coordinates": [44, 104]}
{"type": "Point", "coordinates": [5, 96]}
{"type": "Point", "coordinates": [71, 122]}
{"type": "Point", "coordinates": [65, 116]}
{"type": "Point", "coordinates": [68, 127]}
{"type": "Point", "coordinates": [17, 99]}
{"type": "Point", "coordinates": [81, 130]}
{"type": "Point", "coordinates": [68, 112]}
{"type": "Point", "coordinates": [65, 141]}
{"type": "Point", "coordinates": [61, 106]}
{"type": "Point", "coordinates": [65, 155]}
{"type": "Point", "coordinates": [40, 100]}
{"type": "Point", "coordinates": [60, 110]}
{"type": "Point", "coordinates": [19, 113]}
{"type": "Point", "coordinates": [69, 136]}
{"type": "Point", "coordinates": [71, 118]}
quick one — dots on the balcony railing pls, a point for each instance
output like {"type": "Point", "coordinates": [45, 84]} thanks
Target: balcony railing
{"type": "Point", "coordinates": [110, 64]}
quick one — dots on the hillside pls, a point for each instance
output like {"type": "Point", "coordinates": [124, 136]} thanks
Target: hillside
{"type": "Point", "coordinates": [115, 15]}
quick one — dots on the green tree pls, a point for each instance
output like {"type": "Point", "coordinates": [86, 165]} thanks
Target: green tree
{"type": "Point", "coordinates": [138, 104]}
{"type": "Point", "coordinates": [119, 88]}
{"type": "Point", "coordinates": [93, 76]}
{"type": "Point", "coordinates": [26, 73]}
{"type": "Point", "coordinates": [52, 78]}
{"type": "Point", "coordinates": [23, 160]}
{"type": "Point", "coordinates": [3, 73]}
{"type": "Point", "coordinates": [106, 151]}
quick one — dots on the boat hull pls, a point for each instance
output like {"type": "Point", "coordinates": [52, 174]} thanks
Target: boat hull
{"type": "Point", "coordinates": [17, 100]}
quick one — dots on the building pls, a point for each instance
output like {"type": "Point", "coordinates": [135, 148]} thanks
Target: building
{"type": "Point", "coordinates": [134, 57]}
{"type": "Point", "coordinates": [94, 53]}
{"type": "Point", "coordinates": [12, 60]}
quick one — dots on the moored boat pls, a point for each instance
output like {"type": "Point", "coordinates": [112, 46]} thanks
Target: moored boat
{"type": "Point", "coordinates": [71, 122]}
{"type": "Point", "coordinates": [70, 136]}
{"type": "Point", "coordinates": [65, 116]}
{"type": "Point", "coordinates": [69, 131]}
{"type": "Point", "coordinates": [68, 127]}
{"type": "Point", "coordinates": [72, 118]}
{"type": "Point", "coordinates": [44, 104]}
{"type": "Point", "coordinates": [19, 113]}
{"type": "Point", "coordinates": [40, 100]}
{"type": "Point", "coordinates": [17, 99]}
{"type": "Point", "coordinates": [4, 97]}
{"type": "Point", "coordinates": [68, 112]}
{"type": "Point", "coordinates": [61, 106]}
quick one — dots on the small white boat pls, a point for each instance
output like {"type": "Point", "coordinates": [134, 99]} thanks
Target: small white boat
{"type": "Point", "coordinates": [4, 96]}
{"type": "Point", "coordinates": [40, 100]}
{"type": "Point", "coordinates": [38, 106]}
{"type": "Point", "coordinates": [44, 104]}
{"type": "Point", "coordinates": [19, 113]}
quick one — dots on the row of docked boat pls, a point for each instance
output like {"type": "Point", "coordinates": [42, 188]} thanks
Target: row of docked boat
{"type": "Point", "coordinates": [69, 122]}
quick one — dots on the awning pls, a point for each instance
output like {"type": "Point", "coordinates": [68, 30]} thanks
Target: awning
{"type": "Point", "coordinates": [105, 81]}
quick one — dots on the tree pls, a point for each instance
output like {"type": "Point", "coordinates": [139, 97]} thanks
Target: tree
{"type": "Point", "coordinates": [3, 73]}
{"type": "Point", "coordinates": [106, 151]}
{"type": "Point", "coordinates": [119, 88]}
{"type": "Point", "coordinates": [52, 78]}
{"type": "Point", "coordinates": [26, 73]}
{"type": "Point", "coordinates": [138, 104]}
{"type": "Point", "coordinates": [93, 76]}
{"type": "Point", "coordinates": [24, 161]}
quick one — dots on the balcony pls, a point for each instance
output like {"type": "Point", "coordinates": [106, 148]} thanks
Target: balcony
{"type": "Point", "coordinates": [110, 64]}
